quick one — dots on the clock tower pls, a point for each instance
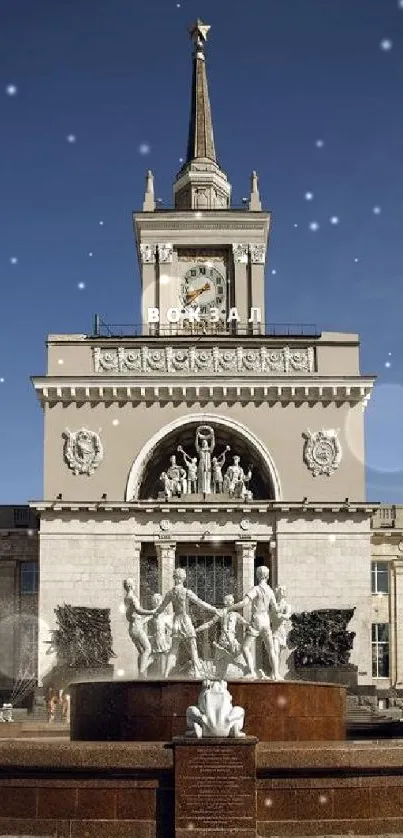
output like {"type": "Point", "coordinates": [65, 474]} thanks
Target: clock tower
{"type": "Point", "coordinates": [202, 263]}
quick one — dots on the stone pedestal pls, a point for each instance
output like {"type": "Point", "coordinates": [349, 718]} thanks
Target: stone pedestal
{"type": "Point", "coordinates": [215, 787]}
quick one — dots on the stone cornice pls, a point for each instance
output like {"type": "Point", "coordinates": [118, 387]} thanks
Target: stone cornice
{"type": "Point", "coordinates": [219, 390]}
{"type": "Point", "coordinates": [256, 507]}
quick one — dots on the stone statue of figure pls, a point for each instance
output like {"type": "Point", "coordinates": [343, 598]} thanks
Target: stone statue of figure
{"type": "Point", "coordinates": [174, 479]}
{"type": "Point", "coordinates": [166, 484]}
{"type": "Point", "coordinates": [217, 464]}
{"type": "Point", "coordinates": [183, 630]}
{"type": "Point", "coordinates": [204, 444]}
{"type": "Point", "coordinates": [191, 463]}
{"type": "Point", "coordinates": [227, 648]}
{"type": "Point", "coordinates": [137, 626]}
{"type": "Point", "coordinates": [263, 602]}
{"type": "Point", "coordinates": [236, 480]}
{"type": "Point", "coordinates": [160, 635]}
{"type": "Point", "coordinates": [281, 623]}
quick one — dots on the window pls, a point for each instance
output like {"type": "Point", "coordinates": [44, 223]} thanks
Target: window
{"type": "Point", "coordinates": [210, 577]}
{"type": "Point", "coordinates": [380, 650]}
{"type": "Point", "coordinates": [380, 577]}
{"type": "Point", "coordinates": [29, 577]}
{"type": "Point", "coordinates": [22, 516]}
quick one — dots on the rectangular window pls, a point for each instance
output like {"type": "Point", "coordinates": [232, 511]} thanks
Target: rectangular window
{"type": "Point", "coordinates": [210, 577]}
{"type": "Point", "coordinates": [380, 650]}
{"type": "Point", "coordinates": [29, 577]}
{"type": "Point", "coordinates": [380, 577]}
{"type": "Point", "coordinates": [22, 516]}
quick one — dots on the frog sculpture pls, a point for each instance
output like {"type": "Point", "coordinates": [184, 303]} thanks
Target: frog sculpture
{"type": "Point", "coordinates": [214, 714]}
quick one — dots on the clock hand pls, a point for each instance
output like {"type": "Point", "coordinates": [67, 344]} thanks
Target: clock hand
{"type": "Point", "coordinates": [191, 296]}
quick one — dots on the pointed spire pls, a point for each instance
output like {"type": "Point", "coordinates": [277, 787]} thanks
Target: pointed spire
{"type": "Point", "coordinates": [201, 137]}
{"type": "Point", "coordinates": [201, 184]}
{"type": "Point", "coordinates": [149, 198]}
{"type": "Point", "coordinates": [255, 203]}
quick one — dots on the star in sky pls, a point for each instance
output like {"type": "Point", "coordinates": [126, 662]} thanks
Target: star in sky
{"type": "Point", "coordinates": [274, 271]}
{"type": "Point", "coordinates": [81, 286]}
{"type": "Point", "coordinates": [319, 143]}
{"type": "Point", "coordinates": [314, 226]}
{"type": "Point", "coordinates": [101, 223]}
{"type": "Point", "coordinates": [11, 90]}
{"type": "Point", "coordinates": [71, 138]}
{"type": "Point", "coordinates": [13, 260]}
{"type": "Point", "coordinates": [376, 210]}
{"type": "Point", "coordinates": [144, 148]}
{"type": "Point", "coordinates": [400, 4]}
{"type": "Point", "coordinates": [90, 253]}
{"type": "Point", "coordinates": [386, 44]}
{"type": "Point", "coordinates": [334, 219]}
{"type": "Point", "coordinates": [308, 196]}
{"type": "Point", "coordinates": [1, 380]}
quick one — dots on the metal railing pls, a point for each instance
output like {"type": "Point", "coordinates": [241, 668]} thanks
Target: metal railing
{"type": "Point", "coordinates": [155, 330]}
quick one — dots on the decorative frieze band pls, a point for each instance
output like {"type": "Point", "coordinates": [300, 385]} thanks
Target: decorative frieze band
{"type": "Point", "coordinates": [146, 360]}
{"type": "Point", "coordinates": [242, 253]}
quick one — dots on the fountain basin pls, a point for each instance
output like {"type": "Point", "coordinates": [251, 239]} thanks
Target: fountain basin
{"type": "Point", "coordinates": [155, 710]}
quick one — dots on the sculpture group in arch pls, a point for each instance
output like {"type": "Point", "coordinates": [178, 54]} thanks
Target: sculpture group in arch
{"type": "Point", "coordinates": [160, 633]}
{"type": "Point", "coordinates": [204, 474]}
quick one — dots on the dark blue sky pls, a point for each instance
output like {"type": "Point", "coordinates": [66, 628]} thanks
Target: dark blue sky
{"type": "Point", "coordinates": [308, 92]}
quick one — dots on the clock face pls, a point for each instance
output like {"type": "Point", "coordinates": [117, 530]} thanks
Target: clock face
{"type": "Point", "coordinates": [204, 287]}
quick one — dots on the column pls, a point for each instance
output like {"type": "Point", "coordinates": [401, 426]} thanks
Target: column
{"type": "Point", "coordinates": [398, 630]}
{"type": "Point", "coordinates": [245, 566]}
{"type": "Point", "coordinates": [166, 555]}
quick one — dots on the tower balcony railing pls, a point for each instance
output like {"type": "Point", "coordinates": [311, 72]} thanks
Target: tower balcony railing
{"type": "Point", "coordinates": [200, 330]}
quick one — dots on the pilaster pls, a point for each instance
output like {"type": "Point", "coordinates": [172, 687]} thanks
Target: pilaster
{"type": "Point", "coordinates": [135, 572]}
{"type": "Point", "coordinates": [166, 274]}
{"type": "Point", "coordinates": [241, 292]}
{"type": "Point", "coordinates": [397, 577]}
{"type": "Point", "coordinates": [166, 555]}
{"type": "Point", "coordinates": [257, 258]}
{"type": "Point", "coordinates": [245, 566]}
{"type": "Point", "coordinates": [149, 284]}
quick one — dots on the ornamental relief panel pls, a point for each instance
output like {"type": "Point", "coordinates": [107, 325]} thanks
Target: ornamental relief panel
{"type": "Point", "coordinates": [322, 451]}
{"type": "Point", "coordinates": [146, 360]}
{"type": "Point", "coordinates": [83, 451]}
{"type": "Point", "coordinates": [148, 253]}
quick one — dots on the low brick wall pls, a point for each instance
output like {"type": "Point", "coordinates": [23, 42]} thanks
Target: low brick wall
{"type": "Point", "coordinates": [125, 790]}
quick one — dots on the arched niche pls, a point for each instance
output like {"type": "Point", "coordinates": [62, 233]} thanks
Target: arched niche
{"type": "Point", "coordinates": [143, 482]}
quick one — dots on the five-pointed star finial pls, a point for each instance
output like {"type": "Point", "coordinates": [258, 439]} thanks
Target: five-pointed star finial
{"type": "Point", "coordinates": [199, 31]}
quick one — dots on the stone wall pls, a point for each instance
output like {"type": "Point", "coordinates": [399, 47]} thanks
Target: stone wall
{"type": "Point", "coordinates": [326, 563]}
{"type": "Point", "coordinates": [86, 569]}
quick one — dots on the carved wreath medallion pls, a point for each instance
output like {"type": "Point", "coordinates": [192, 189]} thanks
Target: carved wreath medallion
{"type": "Point", "coordinates": [82, 450]}
{"type": "Point", "coordinates": [322, 451]}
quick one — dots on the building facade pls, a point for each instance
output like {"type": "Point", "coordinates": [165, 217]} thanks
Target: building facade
{"type": "Point", "coordinates": [19, 582]}
{"type": "Point", "coordinates": [125, 416]}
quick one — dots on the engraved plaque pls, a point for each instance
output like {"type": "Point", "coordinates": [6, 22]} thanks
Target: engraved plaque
{"type": "Point", "coordinates": [215, 786]}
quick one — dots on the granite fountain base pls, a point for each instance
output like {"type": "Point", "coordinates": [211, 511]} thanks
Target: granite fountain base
{"type": "Point", "coordinates": [155, 711]}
